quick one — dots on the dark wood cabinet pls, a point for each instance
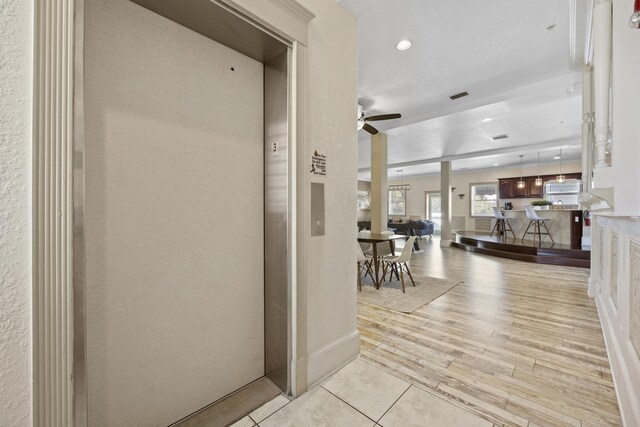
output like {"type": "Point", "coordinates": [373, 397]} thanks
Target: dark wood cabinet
{"type": "Point", "coordinates": [505, 189]}
{"type": "Point", "coordinates": [535, 190]}
{"type": "Point", "coordinates": [520, 191]}
{"type": "Point", "coordinates": [508, 187]}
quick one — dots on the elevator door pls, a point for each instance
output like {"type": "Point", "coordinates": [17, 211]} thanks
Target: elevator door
{"type": "Point", "coordinates": [174, 217]}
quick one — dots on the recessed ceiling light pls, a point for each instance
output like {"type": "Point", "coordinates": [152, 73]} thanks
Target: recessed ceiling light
{"type": "Point", "coordinates": [498, 137]}
{"type": "Point", "coordinates": [403, 45]}
{"type": "Point", "coordinates": [496, 164]}
{"type": "Point", "coordinates": [487, 120]}
{"type": "Point", "coordinates": [556, 157]}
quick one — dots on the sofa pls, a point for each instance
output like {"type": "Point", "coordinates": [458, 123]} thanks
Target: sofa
{"type": "Point", "coordinates": [411, 228]}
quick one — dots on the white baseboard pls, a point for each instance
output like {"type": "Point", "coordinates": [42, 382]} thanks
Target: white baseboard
{"type": "Point", "coordinates": [621, 369]}
{"type": "Point", "coordinates": [331, 358]}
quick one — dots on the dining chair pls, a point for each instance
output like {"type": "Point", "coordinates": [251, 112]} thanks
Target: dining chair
{"type": "Point", "coordinates": [537, 221]}
{"type": "Point", "coordinates": [399, 263]}
{"type": "Point", "coordinates": [502, 223]}
{"type": "Point", "coordinates": [364, 266]}
{"type": "Point", "coordinates": [386, 247]}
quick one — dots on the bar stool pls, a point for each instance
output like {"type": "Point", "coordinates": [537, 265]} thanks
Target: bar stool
{"type": "Point", "coordinates": [502, 223]}
{"type": "Point", "coordinates": [536, 221]}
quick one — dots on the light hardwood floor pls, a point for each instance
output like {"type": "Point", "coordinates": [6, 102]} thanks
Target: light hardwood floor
{"type": "Point", "coordinates": [517, 343]}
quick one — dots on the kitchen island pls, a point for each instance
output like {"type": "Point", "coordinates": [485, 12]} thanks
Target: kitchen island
{"type": "Point", "coordinates": [562, 224]}
{"type": "Point", "coordinates": [565, 225]}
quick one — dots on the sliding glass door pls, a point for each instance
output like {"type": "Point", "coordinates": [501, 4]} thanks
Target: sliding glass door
{"type": "Point", "coordinates": [433, 209]}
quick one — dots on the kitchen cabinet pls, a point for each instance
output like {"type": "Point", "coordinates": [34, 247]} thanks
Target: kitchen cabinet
{"type": "Point", "coordinates": [508, 187]}
{"type": "Point", "coordinates": [505, 188]}
{"type": "Point", "coordinates": [520, 192]}
{"type": "Point", "coordinates": [534, 190]}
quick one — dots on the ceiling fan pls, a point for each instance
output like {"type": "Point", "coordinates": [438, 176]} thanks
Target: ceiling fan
{"type": "Point", "coordinates": [362, 120]}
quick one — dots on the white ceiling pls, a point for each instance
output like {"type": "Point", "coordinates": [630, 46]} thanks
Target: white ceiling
{"type": "Point", "coordinates": [518, 73]}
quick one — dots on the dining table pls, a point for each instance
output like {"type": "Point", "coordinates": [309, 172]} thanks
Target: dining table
{"type": "Point", "coordinates": [374, 239]}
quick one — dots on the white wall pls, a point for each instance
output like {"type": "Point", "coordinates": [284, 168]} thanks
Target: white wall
{"type": "Point", "coordinates": [364, 215]}
{"type": "Point", "coordinates": [615, 259]}
{"type": "Point", "coordinates": [332, 337]}
{"type": "Point", "coordinates": [16, 28]}
{"type": "Point", "coordinates": [625, 110]}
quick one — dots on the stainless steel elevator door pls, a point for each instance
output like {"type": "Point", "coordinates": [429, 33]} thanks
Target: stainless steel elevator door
{"type": "Point", "coordinates": [174, 217]}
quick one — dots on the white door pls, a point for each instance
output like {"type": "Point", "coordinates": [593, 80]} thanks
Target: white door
{"type": "Point", "coordinates": [174, 217]}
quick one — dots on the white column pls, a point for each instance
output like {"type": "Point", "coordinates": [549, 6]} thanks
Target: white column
{"type": "Point", "coordinates": [601, 78]}
{"type": "Point", "coordinates": [587, 127]}
{"type": "Point", "coordinates": [445, 194]}
{"type": "Point", "coordinates": [53, 213]}
{"type": "Point", "coordinates": [379, 193]}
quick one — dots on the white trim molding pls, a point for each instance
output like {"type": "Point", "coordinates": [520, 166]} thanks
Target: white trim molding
{"type": "Point", "coordinates": [332, 357]}
{"type": "Point", "coordinates": [616, 273]}
{"type": "Point", "coordinates": [53, 212]}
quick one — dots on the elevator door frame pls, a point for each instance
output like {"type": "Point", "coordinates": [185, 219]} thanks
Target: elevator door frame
{"type": "Point", "coordinates": [272, 45]}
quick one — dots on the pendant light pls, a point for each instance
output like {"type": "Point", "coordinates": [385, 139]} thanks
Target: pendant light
{"type": "Point", "coordinates": [399, 185]}
{"type": "Point", "coordinates": [560, 178]}
{"type": "Point", "coordinates": [521, 183]}
{"type": "Point", "coordinates": [538, 179]}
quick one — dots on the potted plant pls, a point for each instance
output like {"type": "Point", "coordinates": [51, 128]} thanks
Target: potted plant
{"type": "Point", "coordinates": [541, 204]}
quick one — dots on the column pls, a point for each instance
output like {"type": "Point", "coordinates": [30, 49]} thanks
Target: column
{"type": "Point", "coordinates": [445, 194]}
{"type": "Point", "coordinates": [601, 78]}
{"type": "Point", "coordinates": [379, 193]}
{"type": "Point", "coordinates": [587, 128]}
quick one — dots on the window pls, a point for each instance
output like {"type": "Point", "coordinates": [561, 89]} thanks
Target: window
{"type": "Point", "coordinates": [397, 202]}
{"type": "Point", "coordinates": [434, 209]}
{"type": "Point", "coordinates": [484, 197]}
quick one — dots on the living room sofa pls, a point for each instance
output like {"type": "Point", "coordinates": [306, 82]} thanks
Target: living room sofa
{"type": "Point", "coordinates": [411, 228]}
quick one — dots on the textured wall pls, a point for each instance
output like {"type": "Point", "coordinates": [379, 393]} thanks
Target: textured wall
{"type": "Point", "coordinates": [625, 110]}
{"type": "Point", "coordinates": [15, 186]}
{"type": "Point", "coordinates": [331, 287]}
{"type": "Point", "coordinates": [332, 338]}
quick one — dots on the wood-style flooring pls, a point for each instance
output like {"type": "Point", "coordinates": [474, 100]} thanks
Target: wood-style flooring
{"type": "Point", "coordinates": [517, 343]}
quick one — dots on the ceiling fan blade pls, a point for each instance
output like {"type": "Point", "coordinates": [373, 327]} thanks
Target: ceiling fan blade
{"type": "Point", "coordinates": [370, 129]}
{"type": "Point", "coordinates": [383, 117]}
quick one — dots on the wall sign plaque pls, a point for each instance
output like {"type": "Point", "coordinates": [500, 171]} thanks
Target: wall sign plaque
{"type": "Point", "coordinates": [318, 164]}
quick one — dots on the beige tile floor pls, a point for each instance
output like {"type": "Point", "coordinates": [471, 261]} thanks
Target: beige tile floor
{"type": "Point", "coordinates": [361, 394]}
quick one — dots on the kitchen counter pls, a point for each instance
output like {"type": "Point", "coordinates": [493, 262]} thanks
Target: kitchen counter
{"type": "Point", "coordinates": [559, 222]}
{"type": "Point", "coordinates": [551, 208]}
